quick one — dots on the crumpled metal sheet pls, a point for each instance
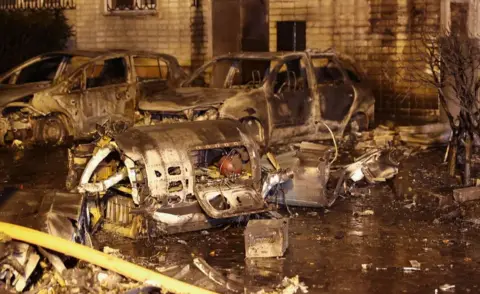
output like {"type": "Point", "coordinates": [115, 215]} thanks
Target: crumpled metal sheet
{"type": "Point", "coordinates": [49, 211]}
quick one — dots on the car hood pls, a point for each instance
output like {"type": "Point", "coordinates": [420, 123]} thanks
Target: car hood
{"type": "Point", "coordinates": [186, 98]}
{"type": "Point", "coordinates": [10, 93]}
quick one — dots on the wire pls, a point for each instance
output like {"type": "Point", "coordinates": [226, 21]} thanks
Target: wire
{"type": "Point", "coordinates": [334, 143]}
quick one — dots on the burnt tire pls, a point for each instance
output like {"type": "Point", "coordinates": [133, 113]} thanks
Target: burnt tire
{"type": "Point", "coordinates": [51, 130]}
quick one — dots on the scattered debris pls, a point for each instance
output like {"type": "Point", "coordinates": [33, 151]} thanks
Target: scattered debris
{"type": "Point", "coordinates": [466, 194]}
{"type": "Point", "coordinates": [375, 166]}
{"type": "Point", "coordinates": [447, 288]}
{"type": "Point", "coordinates": [93, 257]}
{"type": "Point", "coordinates": [17, 144]}
{"type": "Point", "coordinates": [111, 251]}
{"type": "Point", "coordinates": [364, 213]}
{"type": "Point", "coordinates": [408, 269]}
{"type": "Point", "coordinates": [437, 134]}
{"type": "Point", "coordinates": [367, 266]}
{"type": "Point", "coordinates": [415, 264]}
{"type": "Point", "coordinates": [182, 242]}
{"type": "Point", "coordinates": [215, 276]}
{"type": "Point", "coordinates": [288, 286]}
{"type": "Point", "coordinates": [182, 273]}
{"type": "Point", "coordinates": [266, 238]}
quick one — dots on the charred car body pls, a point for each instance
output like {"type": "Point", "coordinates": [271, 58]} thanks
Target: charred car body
{"type": "Point", "coordinates": [172, 177]}
{"type": "Point", "coordinates": [65, 94]}
{"type": "Point", "coordinates": [279, 96]}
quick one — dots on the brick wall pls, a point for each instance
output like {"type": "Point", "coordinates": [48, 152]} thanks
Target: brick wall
{"type": "Point", "coordinates": [377, 33]}
{"type": "Point", "coordinates": [170, 30]}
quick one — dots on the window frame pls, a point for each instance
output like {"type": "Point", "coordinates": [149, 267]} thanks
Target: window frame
{"type": "Point", "coordinates": [104, 59]}
{"type": "Point", "coordinates": [12, 75]}
{"type": "Point", "coordinates": [159, 59]}
{"type": "Point", "coordinates": [137, 8]}
{"type": "Point", "coordinates": [338, 64]}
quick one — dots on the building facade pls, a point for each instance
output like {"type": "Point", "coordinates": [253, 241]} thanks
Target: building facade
{"type": "Point", "coordinates": [381, 35]}
{"type": "Point", "coordinates": [377, 33]}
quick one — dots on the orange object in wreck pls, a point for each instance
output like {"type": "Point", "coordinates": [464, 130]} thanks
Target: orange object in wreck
{"type": "Point", "coordinates": [230, 164]}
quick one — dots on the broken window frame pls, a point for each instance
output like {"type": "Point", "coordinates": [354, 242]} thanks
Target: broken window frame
{"type": "Point", "coordinates": [79, 75]}
{"type": "Point", "coordinates": [235, 62]}
{"type": "Point", "coordinates": [104, 60]}
{"type": "Point", "coordinates": [272, 75]}
{"type": "Point", "coordinates": [15, 73]}
{"type": "Point", "coordinates": [159, 61]}
{"type": "Point", "coordinates": [338, 64]}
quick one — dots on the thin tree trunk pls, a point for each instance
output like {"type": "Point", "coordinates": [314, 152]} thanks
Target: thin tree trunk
{"type": "Point", "coordinates": [452, 164]}
{"type": "Point", "coordinates": [468, 161]}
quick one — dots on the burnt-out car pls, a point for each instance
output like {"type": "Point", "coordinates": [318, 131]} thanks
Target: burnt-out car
{"type": "Point", "coordinates": [63, 95]}
{"type": "Point", "coordinates": [280, 96]}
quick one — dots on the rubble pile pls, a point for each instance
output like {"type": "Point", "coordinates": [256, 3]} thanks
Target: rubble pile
{"type": "Point", "coordinates": [415, 136]}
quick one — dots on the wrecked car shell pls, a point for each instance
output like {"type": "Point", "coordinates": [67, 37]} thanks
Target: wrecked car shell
{"type": "Point", "coordinates": [184, 176]}
{"type": "Point", "coordinates": [62, 95]}
{"type": "Point", "coordinates": [286, 97]}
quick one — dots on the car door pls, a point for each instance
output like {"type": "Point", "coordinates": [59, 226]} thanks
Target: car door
{"type": "Point", "coordinates": [152, 74]}
{"type": "Point", "coordinates": [290, 97]}
{"type": "Point", "coordinates": [109, 93]}
{"type": "Point", "coordinates": [335, 88]}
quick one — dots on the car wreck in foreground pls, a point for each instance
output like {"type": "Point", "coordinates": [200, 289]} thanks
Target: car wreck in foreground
{"type": "Point", "coordinates": [172, 177]}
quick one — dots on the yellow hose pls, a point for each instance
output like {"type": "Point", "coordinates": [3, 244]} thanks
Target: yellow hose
{"type": "Point", "coordinates": [98, 258]}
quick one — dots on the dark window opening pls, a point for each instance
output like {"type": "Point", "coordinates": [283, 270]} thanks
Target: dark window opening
{"type": "Point", "coordinates": [174, 170]}
{"type": "Point", "coordinates": [291, 36]}
{"type": "Point", "coordinates": [175, 186]}
{"type": "Point", "coordinates": [327, 71]}
{"type": "Point", "coordinates": [41, 71]}
{"type": "Point", "coordinates": [107, 72]}
{"type": "Point", "coordinates": [233, 73]}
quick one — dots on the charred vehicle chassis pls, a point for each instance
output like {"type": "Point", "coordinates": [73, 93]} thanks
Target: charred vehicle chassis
{"type": "Point", "coordinates": [62, 95]}
{"type": "Point", "coordinates": [172, 177]}
{"type": "Point", "coordinates": [279, 96]}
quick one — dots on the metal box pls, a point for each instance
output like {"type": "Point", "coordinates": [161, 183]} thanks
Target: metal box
{"type": "Point", "coordinates": [311, 171]}
{"type": "Point", "coordinates": [266, 238]}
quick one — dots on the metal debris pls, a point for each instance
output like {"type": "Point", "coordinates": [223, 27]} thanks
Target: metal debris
{"type": "Point", "coordinates": [266, 238]}
{"type": "Point", "coordinates": [415, 264]}
{"type": "Point", "coordinates": [447, 288]}
{"type": "Point", "coordinates": [288, 286]}
{"type": "Point", "coordinates": [215, 276]}
{"type": "Point", "coordinates": [367, 212]}
{"type": "Point", "coordinates": [193, 171]}
{"type": "Point", "coordinates": [309, 166]}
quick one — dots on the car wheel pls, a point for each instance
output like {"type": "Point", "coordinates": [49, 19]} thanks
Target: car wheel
{"type": "Point", "coordinates": [255, 129]}
{"type": "Point", "coordinates": [52, 130]}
